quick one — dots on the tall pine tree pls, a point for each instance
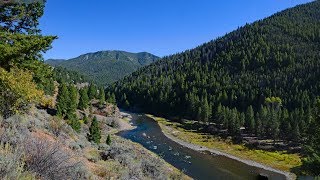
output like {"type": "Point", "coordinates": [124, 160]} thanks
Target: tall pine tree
{"type": "Point", "coordinates": [84, 99]}
{"type": "Point", "coordinates": [73, 98]}
{"type": "Point", "coordinates": [63, 100]}
{"type": "Point", "coordinates": [95, 133]}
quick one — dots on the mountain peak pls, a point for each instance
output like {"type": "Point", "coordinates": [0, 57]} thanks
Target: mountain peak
{"type": "Point", "coordinates": [108, 66]}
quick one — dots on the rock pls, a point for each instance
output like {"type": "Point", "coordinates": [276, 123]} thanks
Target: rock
{"type": "Point", "coordinates": [262, 177]}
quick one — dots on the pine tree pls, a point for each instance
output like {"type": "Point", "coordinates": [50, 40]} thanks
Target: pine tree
{"type": "Point", "coordinates": [74, 122]}
{"type": "Point", "coordinates": [312, 163]}
{"type": "Point", "coordinates": [250, 122]}
{"type": "Point", "coordinates": [102, 97]}
{"type": "Point", "coordinates": [73, 98]}
{"type": "Point", "coordinates": [234, 126]}
{"type": "Point", "coordinates": [95, 133]}
{"type": "Point", "coordinates": [111, 98]}
{"type": "Point", "coordinates": [62, 100]}
{"type": "Point", "coordinates": [205, 112]}
{"type": "Point", "coordinates": [218, 114]}
{"type": "Point", "coordinates": [108, 141]}
{"type": "Point", "coordinates": [274, 124]}
{"type": "Point", "coordinates": [258, 130]}
{"type": "Point", "coordinates": [92, 92]}
{"type": "Point", "coordinates": [84, 99]}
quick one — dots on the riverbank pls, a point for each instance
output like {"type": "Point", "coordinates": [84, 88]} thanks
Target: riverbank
{"type": "Point", "coordinates": [124, 124]}
{"type": "Point", "coordinates": [278, 162]}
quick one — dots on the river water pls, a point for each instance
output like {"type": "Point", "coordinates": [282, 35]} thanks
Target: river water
{"type": "Point", "coordinates": [197, 165]}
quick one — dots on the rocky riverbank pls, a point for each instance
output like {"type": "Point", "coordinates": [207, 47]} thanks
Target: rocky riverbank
{"type": "Point", "coordinates": [170, 131]}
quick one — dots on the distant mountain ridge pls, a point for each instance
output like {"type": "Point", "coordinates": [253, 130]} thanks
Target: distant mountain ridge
{"type": "Point", "coordinates": [105, 67]}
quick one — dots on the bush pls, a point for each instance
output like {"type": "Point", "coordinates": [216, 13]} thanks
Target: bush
{"type": "Point", "coordinates": [56, 126]}
{"type": "Point", "coordinates": [17, 91]}
{"type": "Point", "coordinates": [49, 161]}
{"type": "Point", "coordinates": [11, 166]}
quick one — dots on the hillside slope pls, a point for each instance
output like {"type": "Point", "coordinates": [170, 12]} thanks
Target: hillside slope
{"type": "Point", "coordinates": [264, 76]}
{"type": "Point", "coordinates": [105, 67]}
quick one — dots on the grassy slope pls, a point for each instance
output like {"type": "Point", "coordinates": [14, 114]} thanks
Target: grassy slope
{"type": "Point", "coordinates": [279, 160]}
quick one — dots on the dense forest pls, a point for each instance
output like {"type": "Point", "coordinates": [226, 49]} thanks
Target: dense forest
{"type": "Point", "coordinates": [61, 74]}
{"type": "Point", "coordinates": [263, 76]}
{"type": "Point", "coordinates": [105, 67]}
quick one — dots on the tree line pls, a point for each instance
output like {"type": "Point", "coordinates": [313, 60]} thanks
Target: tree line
{"type": "Point", "coordinates": [263, 76]}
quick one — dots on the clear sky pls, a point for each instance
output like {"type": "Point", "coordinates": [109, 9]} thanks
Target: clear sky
{"type": "Point", "coordinates": [161, 27]}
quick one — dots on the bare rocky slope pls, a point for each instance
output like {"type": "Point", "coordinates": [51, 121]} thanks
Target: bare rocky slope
{"type": "Point", "coordinates": [40, 146]}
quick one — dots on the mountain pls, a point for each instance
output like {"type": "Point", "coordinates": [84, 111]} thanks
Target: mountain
{"type": "Point", "coordinates": [263, 76]}
{"type": "Point", "coordinates": [105, 67]}
{"type": "Point", "coordinates": [54, 62]}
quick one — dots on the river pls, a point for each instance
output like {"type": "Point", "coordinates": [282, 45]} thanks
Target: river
{"type": "Point", "coordinates": [198, 165]}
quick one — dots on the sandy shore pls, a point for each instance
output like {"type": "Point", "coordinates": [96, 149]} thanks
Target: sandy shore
{"type": "Point", "coordinates": [195, 147]}
{"type": "Point", "coordinates": [124, 124]}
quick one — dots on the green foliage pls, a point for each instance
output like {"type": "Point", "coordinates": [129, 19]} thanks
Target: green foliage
{"type": "Point", "coordinates": [24, 51]}
{"type": "Point", "coordinates": [73, 98]}
{"type": "Point", "coordinates": [271, 65]}
{"type": "Point", "coordinates": [312, 162]}
{"type": "Point", "coordinates": [20, 18]}
{"type": "Point", "coordinates": [63, 100]}
{"type": "Point", "coordinates": [111, 98]}
{"type": "Point", "coordinates": [74, 122]}
{"type": "Point", "coordinates": [85, 119]}
{"type": "Point", "coordinates": [95, 132]}
{"type": "Point", "coordinates": [105, 67]}
{"type": "Point", "coordinates": [17, 91]}
{"type": "Point", "coordinates": [108, 141]}
{"type": "Point", "coordinates": [21, 45]}
{"type": "Point", "coordinates": [84, 99]}
{"type": "Point", "coordinates": [249, 120]}
{"type": "Point", "coordinates": [61, 74]}
{"type": "Point", "coordinates": [92, 92]}
{"type": "Point", "coordinates": [102, 97]}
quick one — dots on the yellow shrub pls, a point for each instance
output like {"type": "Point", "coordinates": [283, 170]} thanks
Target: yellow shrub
{"type": "Point", "coordinates": [48, 102]}
{"type": "Point", "coordinates": [17, 91]}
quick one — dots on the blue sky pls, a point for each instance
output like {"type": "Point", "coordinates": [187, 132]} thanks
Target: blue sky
{"type": "Point", "coordinates": [161, 27]}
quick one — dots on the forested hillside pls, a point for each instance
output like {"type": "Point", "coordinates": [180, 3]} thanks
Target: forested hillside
{"type": "Point", "coordinates": [50, 126]}
{"type": "Point", "coordinates": [263, 76]}
{"type": "Point", "coordinates": [105, 67]}
{"type": "Point", "coordinates": [61, 74]}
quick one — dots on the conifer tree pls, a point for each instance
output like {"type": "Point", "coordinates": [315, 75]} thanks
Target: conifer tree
{"type": "Point", "coordinates": [63, 100]}
{"type": "Point", "coordinates": [95, 133]}
{"type": "Point", "coordinates": [218, 114]}
{"type": "Point", "coordinates": [274, 124]}
{"type": "Point", "coordinates": [102, 97]}
{"type": "Point", "coordinates": [73, 96]}
{"type": "Point", "coordinates": [205, 112]}
{"type": "Point", "coordinates": [258, 129]}
{"type": "Point", "coordinates": [84, 99]}
{"type": "Point", "coordinates": [108, 141]}
{"type": "Point", "coordinates": [92, 92]}
{"type": "Point", "coordinates": [111, 98]}
{"type": "Point", "coordinates": [74, 122]}
{"type": "Point", "coordinates": [312, 163]}
{"type": "Point", "coordinates": [250, 122]}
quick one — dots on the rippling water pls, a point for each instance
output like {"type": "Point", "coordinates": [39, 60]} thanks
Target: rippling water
{"type": "Point", "coordinates": [195, 164]}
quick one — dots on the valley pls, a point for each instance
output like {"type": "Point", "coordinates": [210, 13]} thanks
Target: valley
{"type": "Point", "coordinates": [245, 105]}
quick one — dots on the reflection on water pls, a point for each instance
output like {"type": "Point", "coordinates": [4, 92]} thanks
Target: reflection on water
{"type": "Point", "coordinates": [198, 165]}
